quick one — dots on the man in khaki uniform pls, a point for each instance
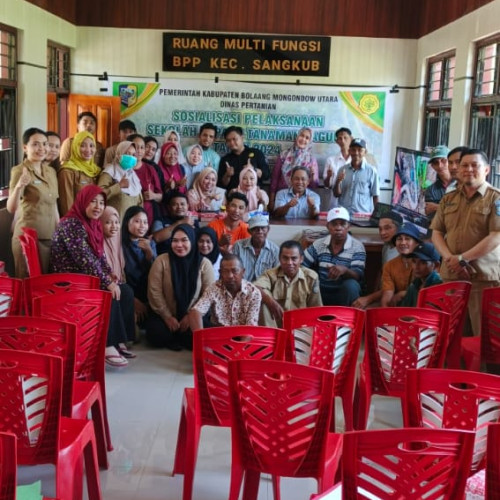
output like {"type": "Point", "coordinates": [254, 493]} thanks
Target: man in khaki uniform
{"type": "Point", "coordinates": [288, 286]}
{"type": "Point", "coordinates": [466, 231]}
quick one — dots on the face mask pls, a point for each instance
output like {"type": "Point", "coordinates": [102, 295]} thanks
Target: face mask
{"type": "Point", "coordinates": [128, 161]}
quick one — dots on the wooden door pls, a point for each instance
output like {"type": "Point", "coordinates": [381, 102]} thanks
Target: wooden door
{"type": "Point", "coordinates": [52, 112]}
{"type": "Point", "coordinates": [105, 108]}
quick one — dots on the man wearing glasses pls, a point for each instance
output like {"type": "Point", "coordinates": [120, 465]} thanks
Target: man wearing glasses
{"type": "Point", "coordinates": [466, 231]}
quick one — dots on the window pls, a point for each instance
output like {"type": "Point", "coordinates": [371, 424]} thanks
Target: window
{"type": "Point", "coordinates": [485, 110]}
{"type": "Point", "coordinates": [7, 56]}
{"type": "Point", "coordinates": [440, 76]}
{"type": "Point", "coordinates": [58, 68]}
{"type": "Point", "coordinates": [8, 111]}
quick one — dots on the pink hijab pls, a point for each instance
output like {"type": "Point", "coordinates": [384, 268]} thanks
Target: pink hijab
{"type": "Point", "coordinates": [253, 200]}
{"type": "Point", "coordinates": [113, 246]}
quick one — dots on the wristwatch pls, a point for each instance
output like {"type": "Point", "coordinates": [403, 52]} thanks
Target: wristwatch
{"type": "Point", "coordinates": [462, 261]}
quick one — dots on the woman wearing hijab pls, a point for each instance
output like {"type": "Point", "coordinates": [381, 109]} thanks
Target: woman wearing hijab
{"type": "Point", "coordinates": [174, 136]}
{"type": "Point", "coordinates": [110, 222]}
{"type": "Point", "coordinates": [173, 173]}
{"type": "Point", "coordinates": [176, 281]}
{"type": "Point", "coordinates": [119, 180]}
{"type": "Point", "coordinates": [79, 171]}
{"type": "Point", "coordinates": [299, 155]}
{"type": "Point", "coordinates": [78, 247]}
{"type": "Point", "coordinates": [248, 186]}
{"type": "Point", "coordinates": [33, 199]}
{"type": "Point", "coordinates": [208, 246]}
{"type": "Point", "coordinates": [139, 252]}
{"type": "Point", "coordinates": [194, 163]}
{"type": "Point", "coordinates": [205, 195]}
{"type": "Point", "coordinates": [152, 191]}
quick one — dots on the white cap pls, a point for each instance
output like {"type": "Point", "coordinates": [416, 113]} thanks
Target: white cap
{"type": "Point", "coordinates": [338, 213]}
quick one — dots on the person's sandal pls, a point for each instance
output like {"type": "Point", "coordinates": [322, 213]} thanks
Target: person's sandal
{"type": "Point", "coordinates": [115, 360]}
{"type": "Point", "coordinates": [122, 349]}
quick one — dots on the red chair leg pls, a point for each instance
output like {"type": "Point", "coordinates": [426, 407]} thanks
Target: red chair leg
{"type": "Point", "coordinates": [180, 455]}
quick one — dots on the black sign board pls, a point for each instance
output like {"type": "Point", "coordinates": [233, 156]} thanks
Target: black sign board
{"type": "Point", "coordinates": [246, 54]}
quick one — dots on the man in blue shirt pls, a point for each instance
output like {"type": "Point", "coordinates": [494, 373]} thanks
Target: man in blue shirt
{"type": "Point", "coordinates": [297, 201]}
{"type": "Point", "coordinates": [357, 184]}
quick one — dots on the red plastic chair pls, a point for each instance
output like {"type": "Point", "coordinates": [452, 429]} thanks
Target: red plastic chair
{"type": "Point", "coordinates": [8, 466]}
{"type": "Point", "coordinates": [485, 348]}
{"type": "Point", "coordinates": [493, 463]}
{"type": "Point", "coordinates": [406, 463]}
{"type": "Point", "coordinates": [54, 283]}
{"type": "Point", "coordinates": [45, 336]}
{"type": "Point", "coordinates": [208, 402]}
{"type": "Point", "coordinates": [89, 310]}
{"type": "Point", "coordinates": [11, 291]}
{"type": "Point", "coordinates": [280, 415]}
{"type": "Point", "coordinates": [30, 408]}
{"type": "Point", "coordinates": [451, 297]}
{"type": "Point", "coordinates": [454, 399]}
{"type": "Point", "coordinates": [29, 246]}
{"type": "Point", "coordinates": [328, 337]}
{"type": "Point", "coordinates": [397, 339]}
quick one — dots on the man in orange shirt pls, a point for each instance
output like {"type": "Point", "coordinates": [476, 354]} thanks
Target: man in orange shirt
{"type": "Point", "coordinates": [232, 228]}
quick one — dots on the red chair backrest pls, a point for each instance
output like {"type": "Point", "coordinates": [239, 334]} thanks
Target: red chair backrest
{"type": "Point", "coordinates": [451, 297]}
{"type": "Point", "coordinates": [406, 463]}
{"type": "Point", "coordinates": [453, 399]}
{"type": "Point", "coordinates": [493, 463]}
{"type": "Point", "coordinates": [399, 338]}
{"type": "Point", "coordinates": [89, 310]}
{"type": "Point", "coordinates": [54, 283]}
{"type": "Point", "coordinates": [213, 348]}
{"type": "Point", "coordinates": [8, 466]}
{"type": "Point", "coordinates": [490, 326]}
{"type": "Point", "coordinates": [280, 414]}
{"type": "Point", "coordinates": [45, 336]}
{"type": "Point", "coordinates": [325, 337]}
{"type": "Point", "coordinates": [11, 291]}
{"type": "Point", "coordinates": [30, 406]}
{"type": "Point", "coordinates": [29, 246]}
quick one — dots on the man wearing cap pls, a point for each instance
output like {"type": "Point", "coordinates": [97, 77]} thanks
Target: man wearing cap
{"type": "Point", "coordinates": [388, 226]}
{"type": "Point", "coordinates": [287, 286]}
{"type": "Point", "coordinates": [397, 273]}
{"type": "Point", "coordinates": [425, 260]}
{"type": "Point", "coordinates": [466, 231]}
{"type": "Point", "coordinates": [357, 184]}
{"type": "Point", "coordinates": [434, 193]}
{"type": "Point", "coordinates": [257, 253]}
{"type": "Point", "coordinates": [339, 259]}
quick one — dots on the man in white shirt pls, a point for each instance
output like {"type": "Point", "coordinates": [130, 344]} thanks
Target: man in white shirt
{"type": "Point", "coordinates": [343, 138]}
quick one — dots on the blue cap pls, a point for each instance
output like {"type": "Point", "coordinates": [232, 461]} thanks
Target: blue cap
{"type": "Point", "coordinates": [360, 143]}
{"type": "Point", "coordinates": [427, 252]}
{"type": "Point", "coordinates": [439, 152]}
{"type": "Point", "coordinates": [410, 230]}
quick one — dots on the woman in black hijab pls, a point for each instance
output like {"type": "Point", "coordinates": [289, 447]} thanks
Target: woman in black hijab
{"type": "Point", "coordinates": [176, 281]}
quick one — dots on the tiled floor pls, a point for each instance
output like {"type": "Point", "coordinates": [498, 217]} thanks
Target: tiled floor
{"type": "Point", "coordinates": [144, 406]}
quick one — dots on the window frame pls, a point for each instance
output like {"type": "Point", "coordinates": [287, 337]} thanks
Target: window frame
{"type": "Point", "coordinates": [440, 108]}
{"type": "Point", "coordinates": [58, 76]}
{"type": "Point", "coordinates": [12, 58]}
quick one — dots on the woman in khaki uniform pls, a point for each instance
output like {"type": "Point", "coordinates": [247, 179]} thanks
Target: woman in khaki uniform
{"type": "Point", "coordinates": [32, 198]}
{"type": "Point", "coordinates": [77, 172]}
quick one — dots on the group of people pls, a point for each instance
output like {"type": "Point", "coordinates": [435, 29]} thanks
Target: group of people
{"type": "Point", "coordinates": [129, 216]}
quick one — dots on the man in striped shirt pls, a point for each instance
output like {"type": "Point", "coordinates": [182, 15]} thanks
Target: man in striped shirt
{"type": "Point", "coordinates": [339, 259]}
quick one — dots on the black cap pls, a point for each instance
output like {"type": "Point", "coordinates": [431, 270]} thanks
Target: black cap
{"type": "Point", "coordinates": [427, 252]}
